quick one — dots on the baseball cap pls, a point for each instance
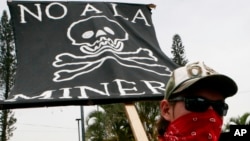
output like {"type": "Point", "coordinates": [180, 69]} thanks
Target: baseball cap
{"type": "Point", "coordinates": [198, 75]}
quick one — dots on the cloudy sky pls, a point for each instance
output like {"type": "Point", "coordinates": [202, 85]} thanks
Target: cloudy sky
{"type": "Point", "coordinates": [217, 32]}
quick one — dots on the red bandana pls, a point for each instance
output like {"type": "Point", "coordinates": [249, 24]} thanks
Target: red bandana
{"type": "Point", "coordinates": [205, 126]}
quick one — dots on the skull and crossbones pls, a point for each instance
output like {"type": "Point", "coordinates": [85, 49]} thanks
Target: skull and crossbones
{"type": "Point", "coordinates": [100, 42]}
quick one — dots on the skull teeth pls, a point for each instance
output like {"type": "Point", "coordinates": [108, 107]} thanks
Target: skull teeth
{"type": "Point", "coordinates": [104, 43]}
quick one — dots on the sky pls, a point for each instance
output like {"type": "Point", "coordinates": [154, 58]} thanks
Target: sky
{"type": "Point", "coordinates": [216, 32]}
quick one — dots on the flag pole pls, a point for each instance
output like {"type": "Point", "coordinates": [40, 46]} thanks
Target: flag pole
{"type": "Point", "coordinates": [135, 122]}
{"type": "Point", "coordinates": [82, 121]}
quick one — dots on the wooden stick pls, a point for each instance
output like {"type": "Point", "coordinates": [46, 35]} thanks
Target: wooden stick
{"type": "Point", "coordinates": [135, 123]}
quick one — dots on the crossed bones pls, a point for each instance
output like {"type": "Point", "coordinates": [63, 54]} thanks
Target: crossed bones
{"type": "Point", "coordinates": [140, 59]}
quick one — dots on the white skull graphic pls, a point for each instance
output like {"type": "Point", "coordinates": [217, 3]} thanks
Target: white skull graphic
{"type": "Point", "coordinates": [104, 33]}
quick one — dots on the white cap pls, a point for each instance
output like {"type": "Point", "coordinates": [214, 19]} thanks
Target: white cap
{"type": "Point", "coordinates": [200, 75]}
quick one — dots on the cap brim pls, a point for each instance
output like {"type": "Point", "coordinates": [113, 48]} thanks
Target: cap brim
{"type": "Point", "coordinates": [225, 85]}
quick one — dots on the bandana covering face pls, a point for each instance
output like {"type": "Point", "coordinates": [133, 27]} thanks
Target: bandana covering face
{"type": "Point", "coordinates": [204, 126]}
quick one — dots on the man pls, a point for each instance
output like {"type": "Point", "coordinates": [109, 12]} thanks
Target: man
{"type": "Point", "coordinates": [194, 104]}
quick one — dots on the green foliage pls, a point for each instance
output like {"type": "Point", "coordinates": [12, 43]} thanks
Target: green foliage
{"type": "Point", "coordinates": [178, 51]}
{"type": "Point", "coordinates": [108, 123]}
{"type": "Point", "coordinates": [93, 132]}
{"type": "Point", "coordinates": [148, 112]}
{"type": "Point", "coordinates": [240, 120]}
{"type": "Point", "coordinates": [8, 67]}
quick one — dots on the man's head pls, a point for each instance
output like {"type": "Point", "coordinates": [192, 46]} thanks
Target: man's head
{"type": "Point", "coordinates": [196, 88]}
{"type": "Point", "coordinates": [198, 76]}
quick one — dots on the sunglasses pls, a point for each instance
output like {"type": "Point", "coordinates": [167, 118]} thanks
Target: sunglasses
{"type": "Point", "coordinates": [200, 104]}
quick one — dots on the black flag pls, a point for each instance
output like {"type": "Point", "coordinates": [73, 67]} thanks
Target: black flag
{"type": "Point", "coordinates": [79, 53]}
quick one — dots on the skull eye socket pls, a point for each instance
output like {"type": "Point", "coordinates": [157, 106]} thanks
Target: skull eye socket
{"type": "Point", "coordinates": [88, 34]}
{"type": "Point", "coordinates": [110, 31]}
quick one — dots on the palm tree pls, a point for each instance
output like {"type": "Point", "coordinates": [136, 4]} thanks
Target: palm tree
{"type": "Point", "coordinates": [97, 129]}
{"type": "Point", "coordinates": [118, 121]}
{"type": "Point", "coordinates": [148, 112]}
{"type": "Point", "coordinates": [108, 123]}
{"type": "Point", "coordinates": [111, 119]}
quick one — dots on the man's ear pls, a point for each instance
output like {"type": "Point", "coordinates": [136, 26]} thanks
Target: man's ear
{"type": "Point", "coordinates": [165, 109]}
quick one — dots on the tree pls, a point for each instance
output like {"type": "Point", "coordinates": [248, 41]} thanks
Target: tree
{"type": "Point", "coordinates": [96, 121]}
{"type": "Point", "coordinates": [112, 121]}
{"type": "Point", "coordinates": [8, 66]}
{"type": "Point", "coordinates": [178, 51]}
{"type": "Point", "coordinates": [119, 123]}
{"type": "Point", "coordinates": [148, 112]}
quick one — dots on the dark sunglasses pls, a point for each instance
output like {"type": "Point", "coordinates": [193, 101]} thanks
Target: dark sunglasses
{"type": "Point", "coordinates": [200, 104]}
